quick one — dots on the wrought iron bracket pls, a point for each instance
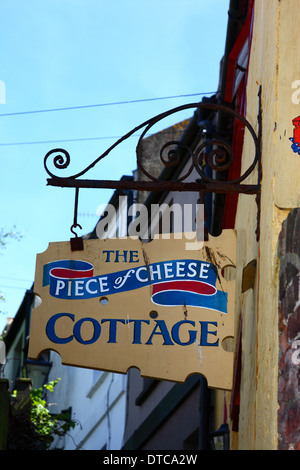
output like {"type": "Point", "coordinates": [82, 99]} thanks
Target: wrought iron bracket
{"type": "Point", "coordinates": [212, 152]}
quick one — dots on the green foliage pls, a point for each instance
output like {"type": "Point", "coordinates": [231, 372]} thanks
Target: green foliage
{"type": "Point", "coordinates": [46, 424]}
{"type": "Point", "coordinates": [39, 427]}
{"type": "Point", "coordinates": [5, 235]}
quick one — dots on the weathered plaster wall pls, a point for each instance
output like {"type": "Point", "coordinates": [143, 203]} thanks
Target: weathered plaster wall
{"type": "Point", "coordinates": [271, 67]}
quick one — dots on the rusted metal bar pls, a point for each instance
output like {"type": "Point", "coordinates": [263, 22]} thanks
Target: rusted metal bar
{"type": "Point", "coordinates": [219, 158]}
{"type": "Point", "coordinates": [213, 152]}
{"type": "Point", "coordinates": [217, 187]}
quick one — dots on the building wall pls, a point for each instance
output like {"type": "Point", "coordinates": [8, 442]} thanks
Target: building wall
{"type": "Point", "coordinates": [98, 402]}
{"type": "Point", "coordinates": [167, 417]}
{"type": "Point", "coordinates": [149, 155]}
{"type": "Point", "coordinates": [15, 356]}
{"type": "Point", "coordinates": [273, 66]}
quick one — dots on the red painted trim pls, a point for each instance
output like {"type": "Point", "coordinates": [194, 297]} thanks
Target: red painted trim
{"type": "Point", "coordinates": [240, 105]}
{"type": "Point", "coordinates": [234, 54]}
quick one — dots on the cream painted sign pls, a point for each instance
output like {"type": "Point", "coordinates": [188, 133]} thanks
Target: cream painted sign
{"type": "Point", "coordinates": [121, 303]}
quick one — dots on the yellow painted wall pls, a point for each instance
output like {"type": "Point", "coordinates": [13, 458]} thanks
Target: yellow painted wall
{"type": "Point", "coordinates": [274, 65]}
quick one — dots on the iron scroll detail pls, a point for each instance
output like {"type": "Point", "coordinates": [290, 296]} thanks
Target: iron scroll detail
{"type": "Point", "coordinates": [219, 158]}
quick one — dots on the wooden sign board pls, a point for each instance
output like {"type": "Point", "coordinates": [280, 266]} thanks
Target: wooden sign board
{"type": "Point", "coordinates": [121, 303]}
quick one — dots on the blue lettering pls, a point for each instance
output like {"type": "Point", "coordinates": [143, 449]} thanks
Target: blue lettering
{"type": "Point", "coordinates": [175, 333]}
{"type": "Point", "coordinates": [137, 330]}
{"type": "Point", "coordinates": [77, 331]}
{"type": "Point", "coordinates": [205, 332]}
{"type": "Point", "coordinates": [50, 329]}
{"type": "Point", "coordinates": [160, 328]}
{"type": "Point", "coordinates": [112, 329]}
{"type": "Point", "coordinates": [134, 256]}
{"type": "Point", "coordinates": [124, 255]}
{"type": "Point", "coordinates": [108, 252]}
{"type": "Point", "coordinates": [163, 331]}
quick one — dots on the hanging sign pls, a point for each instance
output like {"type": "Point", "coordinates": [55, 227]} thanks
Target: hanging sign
{"type": "Point", "coordinates": [122, 303]}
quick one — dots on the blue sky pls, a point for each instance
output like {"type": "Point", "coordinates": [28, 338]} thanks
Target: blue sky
{"type": "Point", "coordinates": [69, 53]}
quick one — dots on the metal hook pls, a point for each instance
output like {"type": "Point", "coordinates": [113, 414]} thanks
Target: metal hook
{"type": "Point", "coordinates": [73, 227]}
{"type": "Point", "coordinates": [75, 224]}
{"type": "Point", "coordinates": [77, 242]}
